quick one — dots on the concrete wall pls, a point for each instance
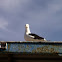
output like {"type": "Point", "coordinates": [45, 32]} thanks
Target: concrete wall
{"type": "Point", "coordinates": [30, 51]}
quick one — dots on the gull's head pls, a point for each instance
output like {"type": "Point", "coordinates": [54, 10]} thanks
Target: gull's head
{"type": "Point", "coordinates": [27, 26]}
{"type": "Point", "coordinates": [27, 29]}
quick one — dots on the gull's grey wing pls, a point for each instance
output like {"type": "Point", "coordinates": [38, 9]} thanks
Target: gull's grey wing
{"type": "Point", "coordinates": [36, 36]}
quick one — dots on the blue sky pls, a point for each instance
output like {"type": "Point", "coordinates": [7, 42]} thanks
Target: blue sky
{"type": "Point", "coordinates": [43, 16]}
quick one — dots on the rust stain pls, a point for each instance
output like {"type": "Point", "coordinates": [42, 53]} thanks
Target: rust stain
{"type": "Point", "coordinates": [28, 47]}
{"type": "Point", "coordinates": [34, 51]}
{"type": "Point", "coordinates": [8, 47]}
{"type": "Point", "coordinates": [44, 49]}
{"type": "Point", "coordinates": [19, 48]}
{"type": "Point", "coordinates": [51, 50]}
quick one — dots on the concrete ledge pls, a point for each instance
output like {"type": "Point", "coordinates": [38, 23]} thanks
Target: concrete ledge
{"type": "Point", "coordinates": [31, 42]}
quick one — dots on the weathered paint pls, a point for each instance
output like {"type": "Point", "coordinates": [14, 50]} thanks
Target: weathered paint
{"type": "Point", "coordinates": [36, 47]}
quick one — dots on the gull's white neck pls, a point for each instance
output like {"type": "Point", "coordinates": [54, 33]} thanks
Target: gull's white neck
{"type": "Point", "coordinates": [27, 30]}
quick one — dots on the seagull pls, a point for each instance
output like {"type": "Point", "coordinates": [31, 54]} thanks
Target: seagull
{"type": "Point", "coordinates": [28, 36]}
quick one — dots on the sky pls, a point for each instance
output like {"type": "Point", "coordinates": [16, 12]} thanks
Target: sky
{"type": "Point", "coordinates": [43, 16]}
